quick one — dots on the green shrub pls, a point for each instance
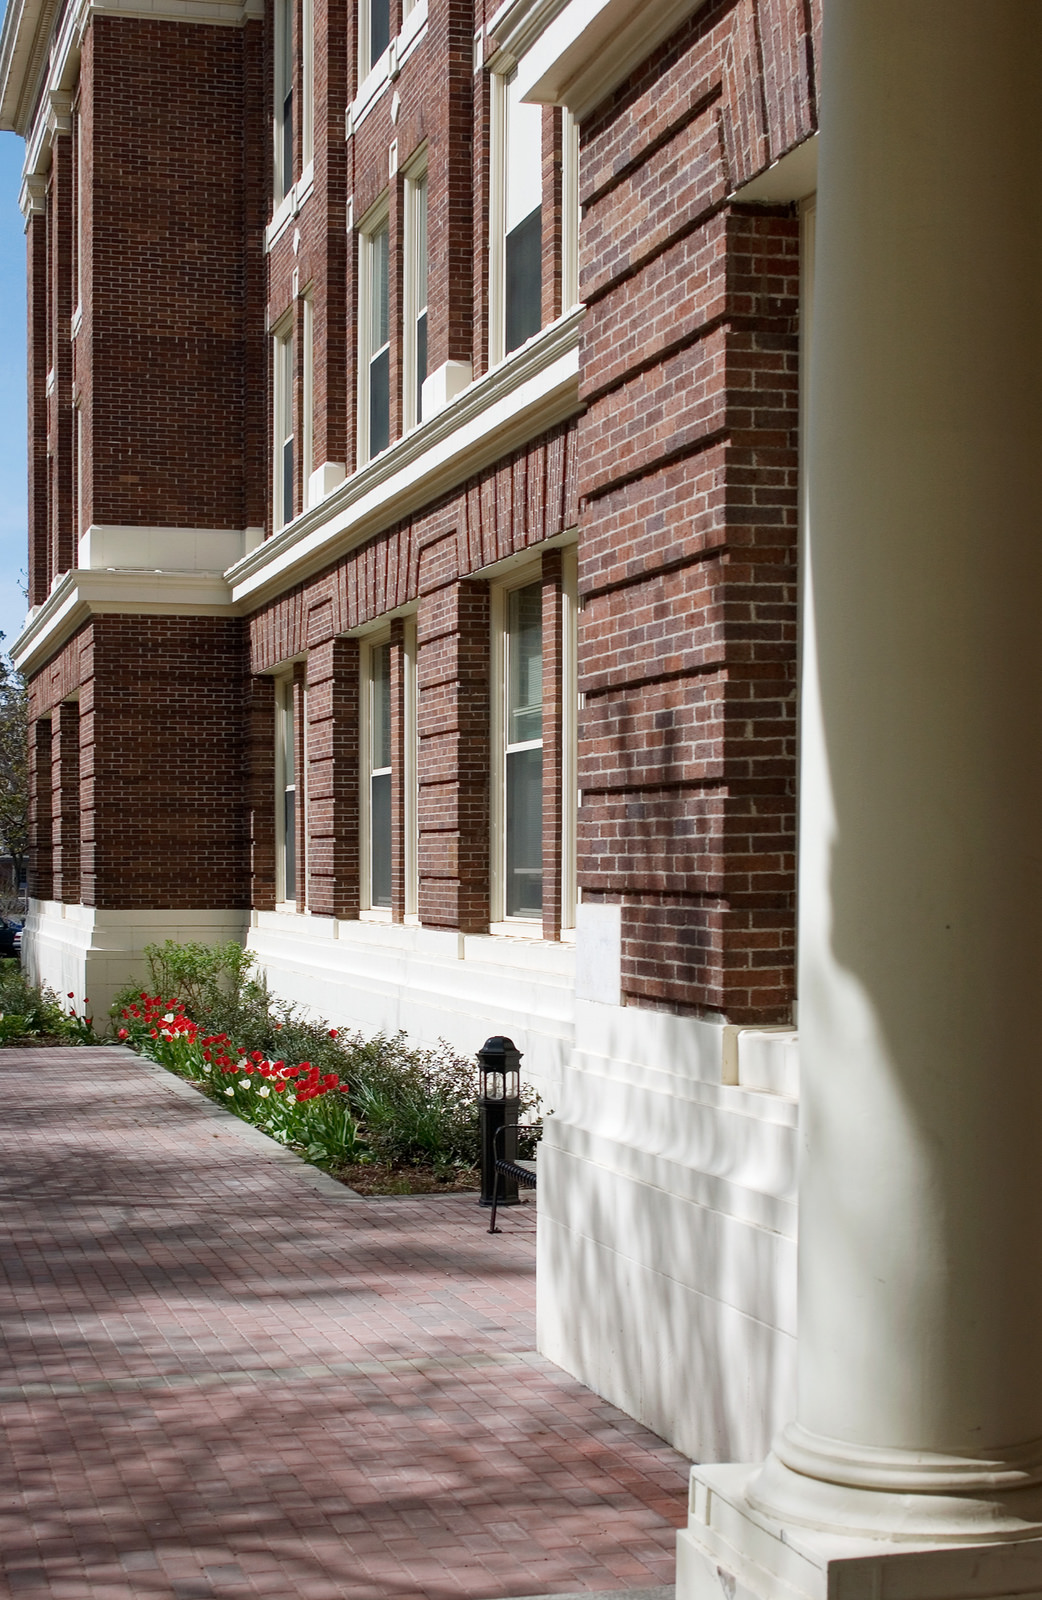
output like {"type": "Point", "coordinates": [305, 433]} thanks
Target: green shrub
{"type": "Point", "coordinates": [29, 1011]}
{"type": "Point", "coordinates": [406, 1106]}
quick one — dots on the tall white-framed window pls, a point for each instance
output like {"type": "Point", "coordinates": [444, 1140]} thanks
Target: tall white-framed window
{"type": "Point", "coordinates": [283, 98]}
{"type": "Point", "coordinates": [515, 223]}
{"type": "Point", "coordinates": [378, 775]}
{"type": "Point", "coordinates": [374, 341]}
{"type": "Point", "coordinates": [307, 408]}
{"type": "Point", "coordinates": [285, 792]}
{"type": "Point", "coordinates": [517, 729]}
{"type": "Point", "coordinates": [571, 211]}
{"type": "Point", "coordinates": [383, 785]}
{"type": "Point", "coordinates": [415, 342]}
{"type": "Point", "coordinates": [282, 424]}
{"type": "Point", "coordinates": [374, 33]}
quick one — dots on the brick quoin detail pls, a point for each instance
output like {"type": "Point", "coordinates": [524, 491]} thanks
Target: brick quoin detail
{"type": "Point", "coordinates": [687, 636]}
{"type": "Point", "coordinates": [65, 802]}
{"type": "Point", "coordinates": [333, 778]}
{"type": "Point", "coordinates": [41, 882]}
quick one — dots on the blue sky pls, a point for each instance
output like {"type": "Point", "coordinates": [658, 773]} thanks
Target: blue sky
{"type": "Point", "coordinates": [12, 392]}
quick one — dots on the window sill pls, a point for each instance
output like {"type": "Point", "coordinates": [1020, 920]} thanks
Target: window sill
{"type": "Point", "coordinates": [289, 206]}
{"type": "Point", "coordinates": [517, 928]}
{"type": "Point", "coordinates": [413, 30]}
{"type": "Point", "coordinates": [375, 914]}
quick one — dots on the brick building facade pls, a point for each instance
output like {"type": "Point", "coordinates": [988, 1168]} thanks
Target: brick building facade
{"type": "Point", "coordinates": [414, 498]}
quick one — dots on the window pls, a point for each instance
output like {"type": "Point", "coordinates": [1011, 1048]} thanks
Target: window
{"type": "Point", "coordinates": [380, 775]}
{"type": "Point", "coordinates": [517, 240]}
{"type": "Point", "coordinates": [283, 98]}
{"type": "Point", "coordinates": [415, 295]}
{"type": "Point", "coordinates": [388, 772]}
{"type": "Point", "coordinates": [521, 753]}
{"type": "Point", "coordinates": [374, 33]}
{"type": "Point", "coordinates": [374, 398]}
{"type": "Point", "coordinates": [533, 790]}
{"type": "Point", "coordinates": [282, 497]}
{"type": "Point", "coordinates": [285, 779]}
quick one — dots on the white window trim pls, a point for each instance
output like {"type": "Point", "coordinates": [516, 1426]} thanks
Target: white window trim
{"type": "Point", "coordinates": [284, 713]}
{"type": "Point", "coordinates": [372, 223]}
{"type": "Point", "coordinates": [415, 175]}
{"type": "Point", "coordinates": [408, 777]}
{"type": "Point", "coordinates": [366, 67]}
{"type": "Point", "coordinates": [281, 407]}
{"type": "Point", "coordinates": [497, 216]}
{"type": "Point", "coordinates": [497, 219]}
{"type": "Point", "coordinates": [500, 923]}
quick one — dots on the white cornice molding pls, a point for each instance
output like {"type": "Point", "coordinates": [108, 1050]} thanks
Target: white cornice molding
{"type": "Point", "coordinates": [81, 594]}
{"type": "Point", "coordinates": [531, 391]}
{"type": "Point", "coordinates": [32, 68]}
{"type": "Point", "coordinates": [32, 196]}
{"type": "Point", "coordinates": [575, 52]}
{"type": "Point", "coordinates": [24, 44]}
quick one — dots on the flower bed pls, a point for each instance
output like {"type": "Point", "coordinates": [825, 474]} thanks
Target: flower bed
{"type": "Point", "coordinates": [296, 1103]}
{"type": "Point", "coordinates": [406, 1115]}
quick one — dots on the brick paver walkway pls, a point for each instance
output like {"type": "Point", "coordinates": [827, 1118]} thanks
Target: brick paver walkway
{"type": "Point", "coordinates": [223, 1375]}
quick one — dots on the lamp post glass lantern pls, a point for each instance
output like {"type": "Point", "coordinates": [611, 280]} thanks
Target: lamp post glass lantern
{"type": "Point", "coordinates": [499, 1098]}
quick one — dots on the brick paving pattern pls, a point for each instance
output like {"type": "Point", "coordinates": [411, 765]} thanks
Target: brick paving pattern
{"type": "Point", "coordinates": [218, 1379]}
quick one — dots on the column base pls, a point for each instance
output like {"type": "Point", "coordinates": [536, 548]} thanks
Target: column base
{"type": "Point", "coordinates": [731, 1551]}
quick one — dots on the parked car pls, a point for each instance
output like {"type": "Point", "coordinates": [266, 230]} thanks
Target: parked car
{"type": "Point", "coordinates": [10, 936]}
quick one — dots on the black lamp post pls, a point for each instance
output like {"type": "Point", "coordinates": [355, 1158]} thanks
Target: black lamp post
{"type": "Point", "coordinates": [499, 1098]}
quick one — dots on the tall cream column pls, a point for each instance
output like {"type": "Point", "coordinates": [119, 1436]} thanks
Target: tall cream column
{"type": "Point", "coordinates": [920, 1292]}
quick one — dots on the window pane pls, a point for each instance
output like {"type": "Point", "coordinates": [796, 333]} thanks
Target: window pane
{"type": "Point", "coordinates": [380, 837]}
{"type": "Point", "coordinates": [523, 288]}
{"type": "Point", "coordinates": [421, 243]}
{"type": "Point", "coordinates": [421, 358]}
{"type": "Point", "coordinates": [381, 708]}
{"type": "Point", "coordinates": [379, 29]}
{"type": "Point", "coordinates": [379, 402]}
{"type": "Point", "coordinates": [287, 142]}
{"type": "Point", "coordinates": [524, 157]}
{"type": "Point", "coordinates": [525, 664]}
{"type": "Point", "coordinates": [524, 820]}
{"type": "Point", "coordinates": [287, 480]}
{"type": "Point", "coordinates": [378, 323]}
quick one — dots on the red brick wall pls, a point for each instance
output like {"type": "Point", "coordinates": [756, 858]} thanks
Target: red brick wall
{"type": "Point", "coordinates": [425, 563]}
{"type": "Point", "coordinates": [688, 478]}
{"type": "Point", "coordinates": [163, 813]}
{"type": "Point", "coordinates": [168, 342]}
{"type": "Point", "coordinates": [332, 775]}
{"type": "Point", "coordinates": [65, 802]}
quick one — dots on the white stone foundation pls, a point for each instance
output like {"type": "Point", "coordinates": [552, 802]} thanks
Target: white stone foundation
{"type": "Point", "coordinates": [91, 953]}
{"type": "Point", "coordinates": [667, 1271]}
